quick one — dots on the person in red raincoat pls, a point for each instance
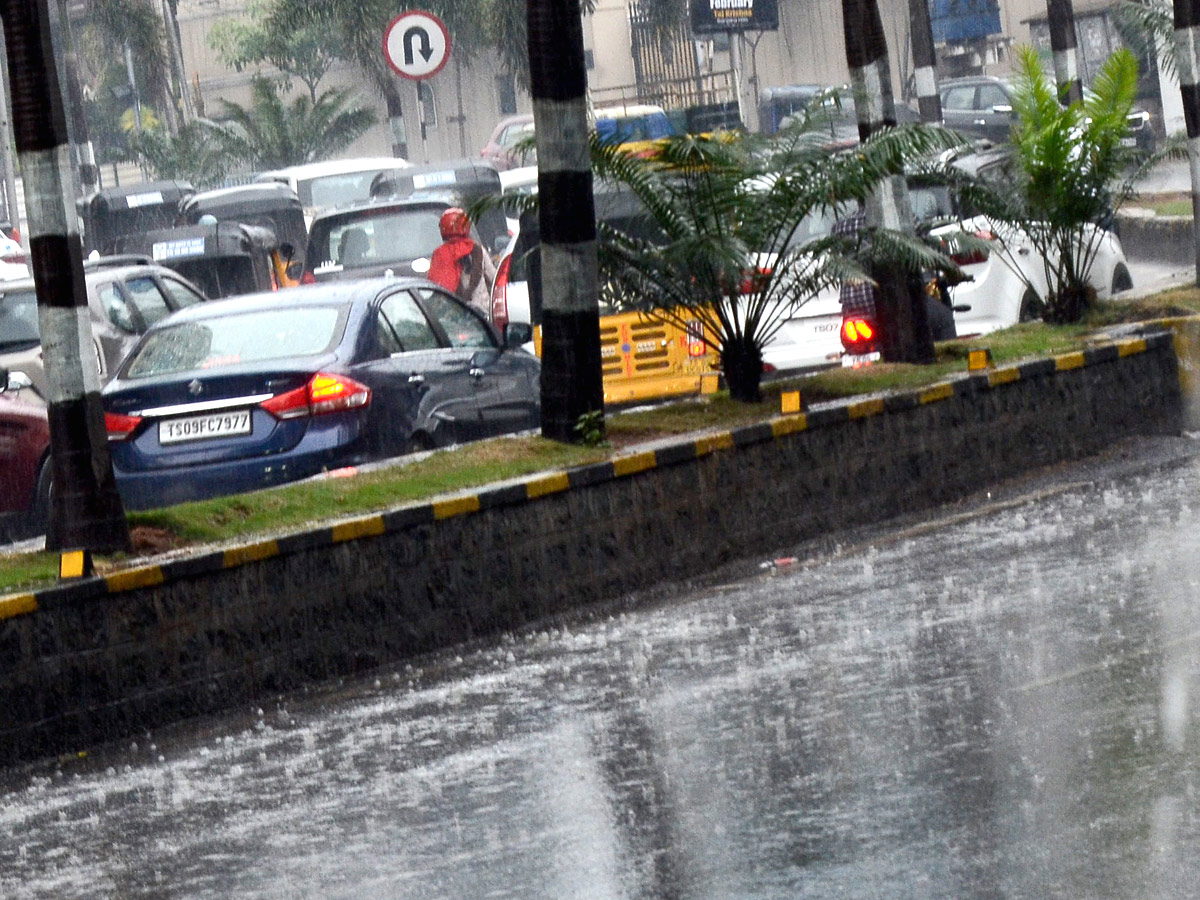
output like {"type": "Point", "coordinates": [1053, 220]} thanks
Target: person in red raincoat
{"type": "Point", "coordinates": [460, 265]}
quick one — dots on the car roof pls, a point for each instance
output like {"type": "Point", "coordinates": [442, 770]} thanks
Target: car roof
{"type": "Point", "coordinates": [333, 167]}
{"type": "Point", "coordinates": [358, 208]}
{"type": "Point", "coordinates": [357, 291]}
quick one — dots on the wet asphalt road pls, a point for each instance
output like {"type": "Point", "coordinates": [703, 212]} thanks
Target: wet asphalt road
{"type": "Point", "coordinates": [996, 703]}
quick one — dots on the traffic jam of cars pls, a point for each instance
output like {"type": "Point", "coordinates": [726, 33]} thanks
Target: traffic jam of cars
{"type": "Point", "coordinates": [252, 336]}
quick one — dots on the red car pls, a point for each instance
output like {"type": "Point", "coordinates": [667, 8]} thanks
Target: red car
{"type": "Point", "coordinates": [24, 460]}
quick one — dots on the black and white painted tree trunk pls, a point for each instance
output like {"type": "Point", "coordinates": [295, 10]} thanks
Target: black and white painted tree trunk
{"type": "Point", "coordinates": [1066, 53]}
{"type": "Point", "coordinates": [924, 62]}
{"type": "Point", "coordinates": [572, 384]}
{"type": "Point", "coordinates": [85, 508]}
{"type": "Point", "coordinates": [901, 314]}
{"type": "Point", "coordinates": [1187, 60]}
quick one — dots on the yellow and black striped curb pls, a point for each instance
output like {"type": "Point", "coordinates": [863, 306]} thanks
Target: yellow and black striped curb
{"type": "Point", "coordinates": [546, 484]}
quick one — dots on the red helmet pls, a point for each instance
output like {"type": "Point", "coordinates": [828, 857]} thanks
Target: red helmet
{"type": "Point", "coordinates": [455, 224]}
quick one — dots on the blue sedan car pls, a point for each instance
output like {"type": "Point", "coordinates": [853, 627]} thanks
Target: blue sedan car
{"type": "Point", "coordinates": [254, 391]}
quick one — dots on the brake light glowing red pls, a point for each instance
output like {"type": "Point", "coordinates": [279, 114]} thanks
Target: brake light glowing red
{"type": "Point", "coordinates": [322, 394]}
{"type": "Point", "coordinates": [120, 427]}
{"type": "Point", "coordinates": [858, 335]}
{"type": "Point", "coordinates": [308, 277]}
{"type": "Point", "coordinates": [500, 294]}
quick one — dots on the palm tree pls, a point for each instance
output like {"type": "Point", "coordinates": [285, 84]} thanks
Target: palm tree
{"type": "Point", "coordinates": [723, 238]}
{"type": "Point", "coordinates": [272, 134]}
{"type": "Point", "coordinates": [1071, 172]}
{"type": "Point", "coordinates": [196, 154]}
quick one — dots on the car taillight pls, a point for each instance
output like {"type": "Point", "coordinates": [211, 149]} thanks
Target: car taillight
{"type": "Point", "coordinates": [119, 426]}
{"type": "Point", "coordinates": [974, 255]}
{"type": "Point", "coordinates": [858, 335]}
{"type": "Point", "coordinates": [308, 277]}
{"type": "Point", "coordinates": [500, 294]}
{"type": "Point", "coordinates": [322, 394]}
{"type": "Point", "coordinates": [752, 282]}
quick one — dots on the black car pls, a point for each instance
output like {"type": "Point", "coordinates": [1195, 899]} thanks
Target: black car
{"type": "Point", "coordinates": [981, 106]}
{"type": "Point", "coordinates": [244, 393]}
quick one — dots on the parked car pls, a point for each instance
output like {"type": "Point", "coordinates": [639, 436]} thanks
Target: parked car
{"type": "Point", "coordinates": [24, 461]}
{"type": "Point", "coordinates": [982, 106]}
{"type": "Point", "coordinates": [125, 294]}
{"type": "Point", "coordinates": [335, 182]}
{"type": "Point", "coordinates": [254, 391]}
{"type": "Point", "coordinates": [369, 239]}
{"type": "Point", "coordinates": [501, 148]}
{"type": "Point", "coordinates": [1006, 285]}
{"type": "Point", "coordinates": [828, 108]}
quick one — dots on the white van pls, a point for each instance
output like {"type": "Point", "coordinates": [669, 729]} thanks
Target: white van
{"type": "Point", "coordinates": [335, 182]}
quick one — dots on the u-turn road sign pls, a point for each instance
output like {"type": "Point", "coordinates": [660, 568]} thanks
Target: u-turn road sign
{"type": "Point", "coordinates": [416, 44]}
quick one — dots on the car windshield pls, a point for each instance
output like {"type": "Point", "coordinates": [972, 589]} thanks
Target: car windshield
{"type": "Point", "coordinates": [253, 336]}
{"type": "Point", "coordinates": [18, 320]}
{"type": "Point", "coordinates": [376, 238]}
{"type": "Point", "coordinates": [336, 190]}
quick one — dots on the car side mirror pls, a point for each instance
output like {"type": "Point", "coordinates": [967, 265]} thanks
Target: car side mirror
{"type": "Point", "coordinates": [1003, 109]}
{"type": "Point", "coordinates": [517, 334]}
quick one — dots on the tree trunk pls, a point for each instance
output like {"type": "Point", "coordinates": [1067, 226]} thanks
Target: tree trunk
{"type": "Point", "coordinates": [1066, 55]}
{"type": "Point", "coordinates": [742, 366]}
{"type": "Point", "coordinates": [870, 75]}
{"type": "Point", "coordinates": [1187, 46]}
{"type": "Point", "coordinates": [572, 383]}
{"type": "Point", "coordinates": [924, 62]}
{"type": "Point", "coordinates": [85, 508]}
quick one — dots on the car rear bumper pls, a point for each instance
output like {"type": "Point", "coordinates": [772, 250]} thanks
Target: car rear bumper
{"type": "Point", "coordinates": [166, 487]}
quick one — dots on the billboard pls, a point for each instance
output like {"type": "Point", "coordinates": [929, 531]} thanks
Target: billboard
{"type": "Point", "coordinates": [718, 16]}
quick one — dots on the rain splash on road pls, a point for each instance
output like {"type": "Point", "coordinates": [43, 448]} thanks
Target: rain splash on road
{"type": "Point", "coordinates": [996, 707]}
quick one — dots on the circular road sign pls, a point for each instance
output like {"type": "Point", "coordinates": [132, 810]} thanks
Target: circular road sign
{"type": "Point", "coordinates": [416, 44]}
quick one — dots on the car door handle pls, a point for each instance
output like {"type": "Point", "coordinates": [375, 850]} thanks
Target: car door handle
{"type": "Point", "coordinates": [416, 378]}
{"type": "Point", "coordinates": [476, 372]}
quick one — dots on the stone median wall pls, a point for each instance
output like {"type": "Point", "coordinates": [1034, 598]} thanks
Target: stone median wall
{"type": "Point", "coordinates": [114, 656]}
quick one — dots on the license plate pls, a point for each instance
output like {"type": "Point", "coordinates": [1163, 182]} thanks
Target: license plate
{"type": "Point", "coordinates": [201, 428]}
{"type": "Point", "coordinates": [1128, 142]}
{"type": "Point", "coordinates": [857, 360]}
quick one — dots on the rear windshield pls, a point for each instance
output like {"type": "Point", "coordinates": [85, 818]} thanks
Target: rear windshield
{"type": "Point", "coordinates": [337, 190]}
{"type": "Point", "coordinates": [238, 338]}
{"type": "Point", "coordinates": [18, 320]}
{"type": "Point", "coordinates": [378, 238]}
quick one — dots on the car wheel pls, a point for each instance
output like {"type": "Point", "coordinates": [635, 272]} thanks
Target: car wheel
{"type": "Point", "coordinates": [39, 509]}
{"type": "Point", "coordinates": [420, 441]}
{"type": "Point", "coordinates": [1032, 308]}
{"type": "Point", "coordinates": [1122, 280]}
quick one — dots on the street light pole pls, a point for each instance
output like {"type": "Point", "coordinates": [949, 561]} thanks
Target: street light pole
{"type": "Point", "coordinates": [85, 508]}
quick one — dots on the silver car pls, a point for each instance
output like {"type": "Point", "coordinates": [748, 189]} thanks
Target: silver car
{"type": "Point", "coordinates": [126, 295]}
